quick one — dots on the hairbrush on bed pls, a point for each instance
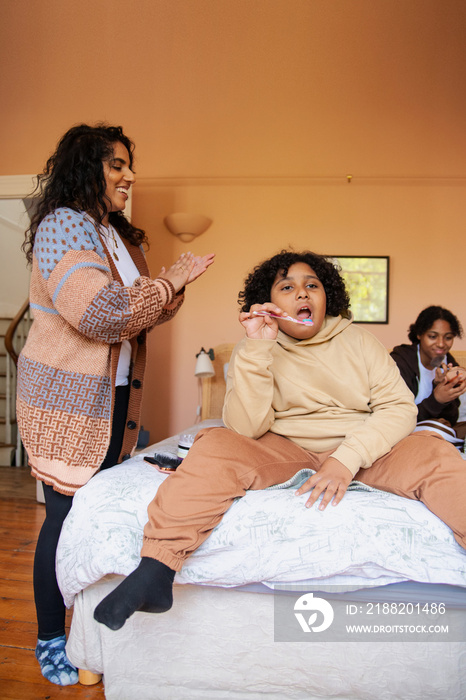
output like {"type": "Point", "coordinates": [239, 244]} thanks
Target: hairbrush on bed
{"type": "Point", "coordinates": [166, 461]}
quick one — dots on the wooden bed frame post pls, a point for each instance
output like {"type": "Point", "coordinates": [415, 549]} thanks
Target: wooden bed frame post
{"type": "Point", "coordinates": [89, 678]}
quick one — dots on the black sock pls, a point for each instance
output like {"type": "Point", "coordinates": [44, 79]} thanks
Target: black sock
{"type": "Point", "coordinates": [148, 589]}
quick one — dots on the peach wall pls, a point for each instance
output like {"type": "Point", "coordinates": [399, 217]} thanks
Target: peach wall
{"type": "Point", "coordinates": [254, 112]}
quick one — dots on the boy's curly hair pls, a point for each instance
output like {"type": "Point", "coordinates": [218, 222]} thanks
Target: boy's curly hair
{"type": "Point", "coordinates": [426, 320]}
{"type": "Point", "coordinates": [258, 284]}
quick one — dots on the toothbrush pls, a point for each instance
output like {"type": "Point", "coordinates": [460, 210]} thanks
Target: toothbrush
{"type": "Point", "coordinates": [304, 322]}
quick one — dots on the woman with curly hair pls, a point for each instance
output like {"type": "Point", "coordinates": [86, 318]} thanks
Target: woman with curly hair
{"type": "Point", "coordinates": [431, 372]}
{"type": "Point", "coordinates": [81, 371]}
{"type": "Point", "coordinates": [306, 389]}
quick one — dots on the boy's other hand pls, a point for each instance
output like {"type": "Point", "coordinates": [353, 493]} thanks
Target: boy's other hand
{"type": "Point", "coordinates": [332, 479]}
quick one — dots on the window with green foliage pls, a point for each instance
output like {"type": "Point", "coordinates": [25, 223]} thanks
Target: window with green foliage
{"type": "Point", "coordinates": [366, 280]}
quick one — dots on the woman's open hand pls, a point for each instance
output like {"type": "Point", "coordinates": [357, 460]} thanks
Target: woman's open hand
{"type": "Point", "coordinates": [200, 266]}
{"type": "Point", "coordinates": [186, 269]}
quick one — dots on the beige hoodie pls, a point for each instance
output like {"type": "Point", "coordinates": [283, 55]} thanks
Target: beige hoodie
{"type": "Point", "coordinates": [339, 390]}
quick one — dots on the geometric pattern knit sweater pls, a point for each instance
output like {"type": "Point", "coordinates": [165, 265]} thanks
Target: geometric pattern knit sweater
{"type": "Point", "coordinates": [67, 368]}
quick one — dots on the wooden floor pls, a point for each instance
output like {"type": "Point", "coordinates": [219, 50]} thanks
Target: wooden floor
{"type": "Point", "coordinates": [20, 520]}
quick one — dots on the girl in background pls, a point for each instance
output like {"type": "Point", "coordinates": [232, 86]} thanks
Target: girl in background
{"type": "Point", "coordinates": [432, 373]}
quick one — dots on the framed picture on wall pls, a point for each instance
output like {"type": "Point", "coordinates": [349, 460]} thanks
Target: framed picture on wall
{"type": "Point", "coordinates": [366, 278]}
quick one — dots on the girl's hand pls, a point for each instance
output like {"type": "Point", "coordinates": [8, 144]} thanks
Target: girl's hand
{"type": "Point", "coordinates": [449, 383]}
{"type": "Point", "coordinates": [458, 373]}
{"type": "Point", "coordinates": [261, 327]}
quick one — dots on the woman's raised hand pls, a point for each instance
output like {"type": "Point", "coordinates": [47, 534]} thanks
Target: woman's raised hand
{"type": "Point", "coordinates": [186, 269]}
{"type": "Point", "coordinates": [200, 266]}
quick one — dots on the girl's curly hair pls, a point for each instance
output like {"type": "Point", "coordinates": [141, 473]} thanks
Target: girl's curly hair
{"type": "Point", "coordinates": [426, 320]}
{"type": "Point", "coordinates": [258, 284]}
{"type": "Point", "coordinates": [74, 177]}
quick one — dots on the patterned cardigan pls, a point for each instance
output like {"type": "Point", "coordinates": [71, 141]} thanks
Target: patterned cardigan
{"type": "Point", "coordinates": [67, 368]}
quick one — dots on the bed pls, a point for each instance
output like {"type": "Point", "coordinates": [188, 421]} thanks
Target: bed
{"type": "Point", "coordinates": [234, 630]}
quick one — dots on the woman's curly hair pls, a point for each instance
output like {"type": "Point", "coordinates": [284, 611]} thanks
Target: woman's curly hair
{"type": "Point", "coordinates": [426, 320]}
{"type": "Point", "coordinates": [74, 177]}
{"type": "Point", "coordinates": [258, 284]}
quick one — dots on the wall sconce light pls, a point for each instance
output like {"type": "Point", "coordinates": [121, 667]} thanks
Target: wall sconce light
{"type": "Point", "coordinates": [204, 366]}
{"type": "Point", "coordinates": [187, 226]}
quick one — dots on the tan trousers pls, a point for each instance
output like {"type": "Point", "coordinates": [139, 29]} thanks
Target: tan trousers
{"type": "Point", "coordinates": [222, 466]}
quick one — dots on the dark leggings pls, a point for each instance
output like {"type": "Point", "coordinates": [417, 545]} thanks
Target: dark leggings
{"type": "Point", "coordinates": [50, 607]}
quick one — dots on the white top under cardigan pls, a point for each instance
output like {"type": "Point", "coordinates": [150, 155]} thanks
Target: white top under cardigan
{"type": "Point", "coordinates": [128, 273]}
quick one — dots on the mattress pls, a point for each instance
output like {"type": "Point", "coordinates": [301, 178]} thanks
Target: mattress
{"type": "Point", "coordinates": [218, 643]}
